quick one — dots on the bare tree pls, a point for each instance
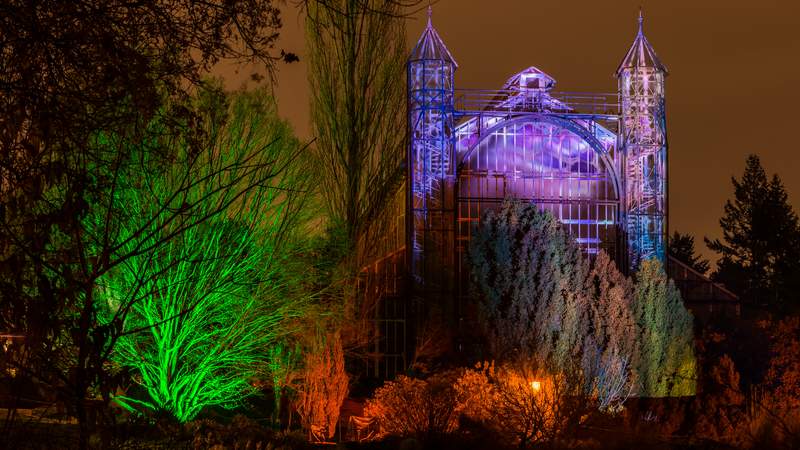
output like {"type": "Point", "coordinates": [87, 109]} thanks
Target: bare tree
{"type": "Point", "coordinates": [74, 75]}
{"type": "Point", "coordinates": [153, 203]}
{"type": "Point", "coordinates": [325, 385]}
{"type": "Point", "coordinates": [201, 307]}
{"type": "Point", "coordinates": [356, 71]}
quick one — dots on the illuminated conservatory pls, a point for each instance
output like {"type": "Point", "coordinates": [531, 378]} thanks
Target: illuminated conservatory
{"type": "Point", "coordinates": [597, 161]}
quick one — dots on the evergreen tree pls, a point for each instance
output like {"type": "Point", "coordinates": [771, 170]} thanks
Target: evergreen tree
{"type": "Point", "coordinates": [759, 255]}
{"type": "Point", "coordinates": [610, 349]}
{"type": "Point", "coordinates": [532, 281]}
{"type": "Point", "coordinates": [665, 361]}
{"type": "Point", "coordinates": [543, 302]}
{"type": "Point", "coordinates": [681, 247]}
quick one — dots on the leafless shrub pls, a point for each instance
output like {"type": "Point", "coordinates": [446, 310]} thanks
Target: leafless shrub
{"type": "Point", "coordinates": [324, 387]}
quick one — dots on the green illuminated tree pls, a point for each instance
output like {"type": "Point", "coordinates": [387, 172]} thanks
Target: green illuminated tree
{"type": "Point", "coordinates": [208, 288]}
{"type": "Point", "coordinates": [73, 70]}
{"type": "Point", "coordinates": [665, 361]}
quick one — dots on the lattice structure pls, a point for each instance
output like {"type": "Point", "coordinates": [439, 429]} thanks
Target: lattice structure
{"type": "Point", "coordinates": [431, 170]}
{"type": "Point", "coordinates": [644, 136]}
{"type": "Point", "coordinates": [596, 161]}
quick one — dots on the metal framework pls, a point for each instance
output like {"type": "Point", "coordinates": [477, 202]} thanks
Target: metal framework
{"type": "Point", "coordinates": [431, 169]}
{"type": "Point", "coordinates": [644, 134]}
{"type": "Point", "coordinates": [596, 161]}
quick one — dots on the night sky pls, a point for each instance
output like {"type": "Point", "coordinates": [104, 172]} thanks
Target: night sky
{"type": "Point", "coordinates": [733, 88]}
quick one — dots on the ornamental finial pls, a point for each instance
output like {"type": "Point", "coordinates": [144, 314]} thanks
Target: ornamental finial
{"type": "Point", "coordinates": [641, 20]}
{"type": "Point", "coordinates": [430, 13]}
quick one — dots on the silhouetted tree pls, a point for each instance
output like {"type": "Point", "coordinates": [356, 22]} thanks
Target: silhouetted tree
{"type": "Point", "coordinates": [356, 67]}
{"type": "Point", "coordinates": [760, 246]}
{"type": "Point", "coordinates": [357, 53]}
{"type": "Point", "coordinates": [681, 247]}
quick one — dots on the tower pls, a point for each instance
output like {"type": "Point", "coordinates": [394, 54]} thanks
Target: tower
{"type": "Point", "coordinates": [644, 143]}
{"type": "Point", "coordinates": [431, 172]}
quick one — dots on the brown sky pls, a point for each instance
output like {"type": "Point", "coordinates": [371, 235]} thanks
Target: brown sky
{"type": "Point", "coordinates": [733, 87]}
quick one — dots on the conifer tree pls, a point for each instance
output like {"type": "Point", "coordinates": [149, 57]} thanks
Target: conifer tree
{"type": "Point", "coordinates": [664, 361]}
{"type": "Point", "coordinates": [610, 349]}
{"type": "Point", "coordinates": [532, 281]}
{"type": "Point", "coordinates": [759, 250]}
{"type": "Point", "coordinates": [544, 303]}
{"type": "Point", "coordinates": [681, 247]}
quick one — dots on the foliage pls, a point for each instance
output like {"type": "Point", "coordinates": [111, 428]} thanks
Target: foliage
{"type": "Point", "coordinates": [72, 71]}
{"type": "Point", "coordinates": [324, 386]}
{"type": "Point", "coordinates": [531, 279]}
{"type": "Point", "coordinates": [613, 344]}
{"type": "Point", "coordinates": [502, 399]}
{"type": "Point", "coordinates": [783, 373]}
{"type": "Point", "coordinates": [681, 247]}
{"type": "Point", "coordinates": [541, 300]}
{"type": "Point", "coordinates": [760, 245]}
{"type": "Point", "coordinates": [475, 388]}
{"type": "Point", "coordinates": [283, 368]}
{"type": "Point", "coordinates": [721, 404]}
{"type": "Point", "coordinates": [423, 408]}
{"type": "Point", "coordinates": [208, 299]}
{"type": "Point", "coordinates": [357, 108]}
{"type": "Point", "coordinates": [748, 411]}
{"type": "Point", "coordinates": [665, 361]}
{"type": "Point", "coordinates": [241, 433]}
{"type": "Point", "coordinates": [780, 406]}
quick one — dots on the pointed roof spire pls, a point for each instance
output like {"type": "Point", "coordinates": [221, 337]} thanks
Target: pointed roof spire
{"type": "Point", "coordinates": [641, 20]}
{"type": "Point", "coordinates": [430, 14]}
{"type": "Point", "coordinates": [641, 53]}
{"type": "Point", "coordinates": [430, 46]}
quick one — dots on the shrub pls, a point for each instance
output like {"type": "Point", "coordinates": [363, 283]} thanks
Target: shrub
{"type": "Point", "coordinates": [417, 407]}
{"type": "Point", "coordinates": [534, 407]}
{"type": "Point", "coordinates": [324, 387]}
{"type": "Point", "coordinates": [720, 406]}
{"type": "Point", "coordinates": [526, 404]}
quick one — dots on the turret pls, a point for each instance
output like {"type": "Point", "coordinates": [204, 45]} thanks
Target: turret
{"type": "Point", "coordinates": [430, 162]}
{"type": "Point", "coordinates": [644, 142]}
